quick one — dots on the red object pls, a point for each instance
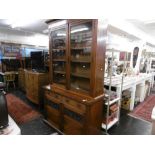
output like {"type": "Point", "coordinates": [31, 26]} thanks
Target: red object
{"type": "Point", "coordinates": [122, 56]}
{"type": "Point", "coordinates": [19, 110]}
{"type": "Point", "coordinates": [18, 56]}
{"type": "Point", "coordinates": [144, 110]}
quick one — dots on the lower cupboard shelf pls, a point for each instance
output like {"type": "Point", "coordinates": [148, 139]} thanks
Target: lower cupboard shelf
{"type": "Point", "coordinates": [110, 124]}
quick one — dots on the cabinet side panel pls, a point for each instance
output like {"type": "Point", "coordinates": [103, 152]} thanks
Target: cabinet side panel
{"type": "Point", "coordinates": [100, 57]}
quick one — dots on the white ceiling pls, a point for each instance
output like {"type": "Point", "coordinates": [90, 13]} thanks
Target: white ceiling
{"type": "Point", "coordinates": [39, 25]}
{"type": "Point", "coordinates": [36, 26]}
{"type": "Point", "coordinates": [147, 26]}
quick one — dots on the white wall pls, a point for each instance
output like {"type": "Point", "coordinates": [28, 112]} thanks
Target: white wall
{"type": "Point", "coordinates": [24, 37]}
{"type": "Point", "coordinates": [122, 40]}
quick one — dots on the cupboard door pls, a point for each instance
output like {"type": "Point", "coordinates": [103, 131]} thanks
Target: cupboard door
{"type": "Point", "coordinates": [58, 54]}
{"type": "Point", "coordinates": [80, 51]}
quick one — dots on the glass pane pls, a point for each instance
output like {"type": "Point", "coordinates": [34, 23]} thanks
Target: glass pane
{"type": "Point", "coordinates": [59, 55]}
{"type": "Point", "coordinates": [81, 48]}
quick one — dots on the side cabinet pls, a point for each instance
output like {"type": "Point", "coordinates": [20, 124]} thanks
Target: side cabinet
{"type": "Point", "coordinates": [34, 83]}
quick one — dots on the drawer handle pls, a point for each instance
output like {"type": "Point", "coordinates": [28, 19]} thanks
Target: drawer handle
{"type": "Point", "coordinates": [78, 105]}
{"type": "Point", "coordinates": [67, 100]}
{"type": "Point", "coordinates": [56, 96]}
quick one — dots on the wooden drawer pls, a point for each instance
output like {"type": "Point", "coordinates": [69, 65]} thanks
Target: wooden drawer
{"type": "Point", "coordinates": [53, 116]}
{"type": "Point", "coordinates": [75, 106]}
{"type": "Point", "coordinates": [72, 127]}
{"type": "Point", "coordinates": [35, 79]}
{"type": "Point", "coordinates": [51, 95]}
{"type": "Point", "coordinates": [53, 112]}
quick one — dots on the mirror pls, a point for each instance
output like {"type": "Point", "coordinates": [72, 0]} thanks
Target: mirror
{"type": "Point", "coordinates": [135, 56]}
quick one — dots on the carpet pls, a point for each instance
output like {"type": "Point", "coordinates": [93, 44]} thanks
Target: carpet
{"type": "Point", "coordinates": [144, 110]}
{"type": "Point", "coordinates": [20, 111]}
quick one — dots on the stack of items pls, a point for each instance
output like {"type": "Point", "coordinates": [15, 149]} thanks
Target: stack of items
{"type": "Point", "coordinates": [113, 95]}
{"type": "Point", "coordinates": [112, 113]}
{"type": "Point", "coordinates": [126, 99]}
{"type": "Point", "coordinates": [113, 107]}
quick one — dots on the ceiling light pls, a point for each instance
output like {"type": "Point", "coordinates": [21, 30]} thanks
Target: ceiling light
{"type": "Point", "coordinates": [20, 22]}
{"type": "Point", "coordinates": [61, 34]}
{"type": "Point", "coordinates": [59, 23]}
{"type": "Point", "coordinates": [46, 31]}
{"type": "Point", "coordinates": [149, 21]}
{"type": "Point", "coordinates": [80, 30]}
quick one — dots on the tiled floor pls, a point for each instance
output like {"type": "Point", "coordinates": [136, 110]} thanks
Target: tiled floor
{"type": "Point", "coordinates": [127, 125]}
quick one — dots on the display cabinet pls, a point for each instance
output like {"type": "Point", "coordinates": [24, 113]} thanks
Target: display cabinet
{"type": "Point", "coordinates": [74, 101]}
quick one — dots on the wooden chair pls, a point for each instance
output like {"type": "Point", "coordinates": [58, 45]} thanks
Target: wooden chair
{"type": "Point", "coordinates": [9, 77]}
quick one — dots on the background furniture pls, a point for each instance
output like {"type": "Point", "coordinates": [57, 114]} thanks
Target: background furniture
{"type": "Point", "coordinates": [74, 102]}
{"type": "Point", "coordinates": [10, 64]}
{"type": "Point", "coordinates": [21, 79]}
{"type": "Point", "coordinates": [33, 83]}
{"type": "Point", "coordinates": [135, 84]}
{"type": "Point", "coordinates": [9, 78]}
{"type": "Point", "coordinates": [113, 96]}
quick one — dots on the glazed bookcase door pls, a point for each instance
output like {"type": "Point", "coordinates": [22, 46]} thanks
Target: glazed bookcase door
{"type": "Point", "coordinates": [58, 55]}
{"type": "Point", "coordinates": [80, 51]}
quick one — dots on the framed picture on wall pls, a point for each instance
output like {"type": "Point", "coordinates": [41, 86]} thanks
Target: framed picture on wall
{"type": "Point", "coordinates": [11, 50]}
{"type": "Point", "coordinates": [135, 56]}
{"type": "Point", "coordinates": [122, 56]}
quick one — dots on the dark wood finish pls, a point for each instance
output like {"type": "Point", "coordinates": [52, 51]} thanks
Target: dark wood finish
{"type": "Point", "coordinates": [79, 111]}
{"type": "Point", "coordinates": [73, 113]}
{"type": "Point", "coordinates": [21, 79]}
{"type": "Point", "coordinates": [33, 83]}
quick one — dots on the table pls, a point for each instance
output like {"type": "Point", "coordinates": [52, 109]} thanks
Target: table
{"type": "Point", "coordinates": [136, 84]}
{"type": "Point", "coordinates": [12, 129]}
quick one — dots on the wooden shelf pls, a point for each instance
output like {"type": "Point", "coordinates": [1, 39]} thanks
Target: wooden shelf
{"type": "Point", "coordinates": [63, 60]}
{"type": "Point", "coordinates": [55, 49]}
{"type": "Point", "coordinates": [60, 83]}
{"type": "Point", "coordinates": [80, 89]}
{"type": "Point", "coordinates": [80, 61]}
{"type": "Point", "coordinates": [80, 75]}
{"type": "Point", "coordinates": [80, 48]}
{"type": "Point", "coordinates": [60, 72]}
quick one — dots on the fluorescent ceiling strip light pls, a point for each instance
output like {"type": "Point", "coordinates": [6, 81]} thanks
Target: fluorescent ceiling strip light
{"type": "Point", "coordinates": [149, 21]}
{"type": "Point", "coordinates": [80, 30]}
{"type": "Point", "coordinates": [60, 23]}
{"type": "Point", "coordinates": [61, 34]}
{"type": "Point", "coordinates": [46, 31]}
{"type": "Point", "coordinates": [22, 23]}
